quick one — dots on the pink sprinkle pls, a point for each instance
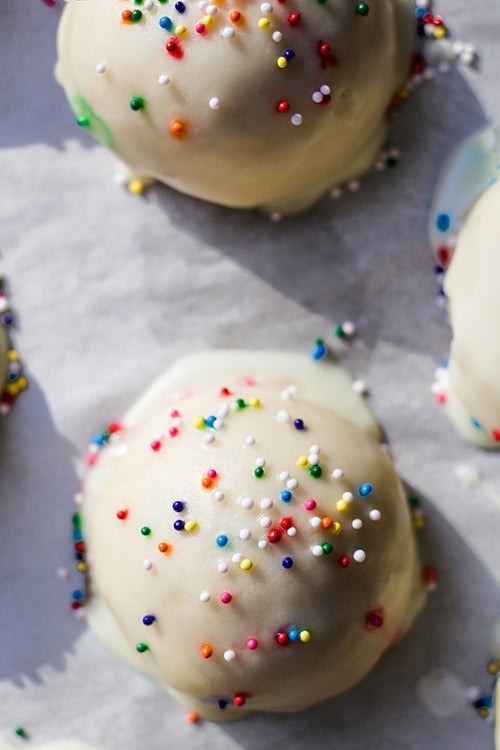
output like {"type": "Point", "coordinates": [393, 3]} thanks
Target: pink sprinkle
{"type": "Point", "coordinates": [211, 473]}
{"type": "Point", "coordinates": [248, 381]}
{"type": "Point", "coordinates": [174, 413]}
{"type": "Point", "coordinates": [156, 445]}
{"type": "Point", "coordinates": [50, 3]}
{"type": "Point", "coordinates": [200, 28]}
{"type": "Point", "coordinates": [310, 504]}
{"type": "Point", "coordinates": [441, 398]}
{"type": "Point", "coordinates": [252, 644]}
{"type": "Point", "coordinates": [173, 431]}
{"type": "Point", "coordinates": [90, 459]}
{"type": "Point", "coordinates": [226, 597]}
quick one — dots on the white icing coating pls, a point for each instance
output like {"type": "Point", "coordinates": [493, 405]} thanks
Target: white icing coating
{"type": "Point", "coordinates": [7, 744]}
{"type": "Point", "coordinates": [471, 286]}
{"type": "Point", "coordinates": [235, 147]}
{"type": "Point", "coordinates": [335, 609]}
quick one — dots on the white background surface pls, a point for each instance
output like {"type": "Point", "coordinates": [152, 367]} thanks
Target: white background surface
{"type": "Point", "coordinates": [109, 289]}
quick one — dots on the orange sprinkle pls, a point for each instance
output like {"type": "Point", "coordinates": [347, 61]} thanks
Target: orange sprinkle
{"type": "Point", "coordinates": [177, 128]}
{"type": "Point", "coordinates": [126, 15]}
{"type": "Point", "coordinates": [164, 547]}
{"type": "Point", "coordinates": [192, 717]}
{"type": "Point", "coordinates": [235, 16]}
{"type": "Point", "coordinates": [206, 482]}
{"type": "Point", "coordinates": [206, 651]}
{"type": "Point", "coordinates": [326, 522]}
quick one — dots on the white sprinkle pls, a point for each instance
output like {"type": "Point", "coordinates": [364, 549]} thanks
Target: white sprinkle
{"type": "Point", "coordinates": [317, 97]}
{"type": "Point", "coordinates": [315, 522]}
{"type": "Point", "coordinates": [275, 216]}
{"type": "Point", "coordinates": [244, 535]}
{"type": "Point", "coordinates": [227, 33]}
{"type": "Point", "coordinates": [223, 410]}
{"type": "Point", "coordinates": [349, 328]}
{"type": "Point", "coordinates": [265, 522]}
{"type": "Point", "coordinates": [283, 416]}
{"type": "Point", "coordinates": [359, 386]}
{"type": "Point", "coordinates": [468, 474]}
{"type": "Point", "coordinates": [247, 503]}
{"type": "Point", "coordinates": [249, 440]}
{"type": "Point", "coordinates": [148, 4]}
{"type": "Point", "coordinates": [266, 8]}
{"type": "Point", "coordinates": [62, 573]}
{"type": "Point", "coordinates": [218, 495]}
{"type": "Point", "coordinates": [375, 514]}
{"type": "Point", "coordinates": [147, 564]}
{"type": "Point", "coordinates": [292, 484]}
{"type": "Point", "coordinates": [208, 437]}
{"type": "Point", "coordinates": [336, 193]}
{"type": "Point", "coordinates": [78, 498]}
{"type": "Point", "coordinates": [347, 496]}
{"type": "Point", "coordinates": [262, 544]}
{"type": "Point", "coordinates": [317, 550]}
{"type": "Point", "coordinates": [234, 406]}
{"type": "Point", "coordinates": [222, 567]}
{"type": "Point", "coordinates": [202, 4]}
{"type": "Point", "coordinates": [204, 596]}
{"type": "Point", "coordinates": [337, 474]}
{"type": "Point", "coordinates": [101, 67]}
{"type": "Point", "coordinates": [229, 655]}
{"type": "Point", "coordinates": [266, 503]}
{"type": "Point", "coordinates": [260, 462]}
{"type": "Point", "coordinates": [211, 10]}
{"type": "Point", "coordinates": [218, 424]}
{"type": "Point", "coordinates": [214, 103]}
{"type": "Point", "coordinates": [313, 459]}
{"type": "Point", "coordinates": [176, 422]}
{"type": "Point", "coordinates": [296, 119]}
{"type": "Point", "coordinates": [79, 614]}
{"type": "Point", "coordinates": [357, 523]}
{"type": "Point", "coordinates": [277, 36]}
{"type": "Point", "coordinates": [473, 693]}
{"type": "Point", "coordinates": [284, 476]}
{"type": "Point", "coordinates": [315, 449]}
{"type": "Point", "coordinates": [325, 89]}
{"type": "Point", "coordinates": [292, 531]}
{"type": "Point", "coordinates": [353, 185]}
{"type": "Point", "coordinates": [285, 394]}
{"type": "Point", "coordinates": [164, 80]}
{"type": "Point", "coordinates": [359, 555]}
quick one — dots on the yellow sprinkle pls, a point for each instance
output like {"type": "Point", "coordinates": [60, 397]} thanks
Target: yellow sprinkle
{"type": "Point", "coordinates": [12, 355]}
{"type": "Point", "coordinates": [208, 20]}
{"type": "Point", "coordinates": [136, 187]}
{"type": "Point", "coordinates": [263, 23]}
{"type": "Point", "coordinates": [304, 636]}
{"type": "Point", "coordinates": [81, 566]}
{"type": "Point", "coordinates": [199, 422]}
{"type": "Point", "coordinates": [281, 62]}
{"type": "Point", "coordinates": [12, 388]}
{"type": "Point", "coordinates": [255, 402]}
{"type": "Point", "coordinates": [302, 461]}
{"type": "Point", "coordinates": [246, 564]}
{"type": "Point", "coordinates": [439, 32]}
{"type": "Point", "coordinates": [404, 93]}
{"type": "Point", "coordinates": [493, 667]}
{"type": "Point", "coordinates": [191, 525]}
{"type": "Point", "coordinates": [22, 382]}
{"type": "Point", "coordinates": [336, 528]}
{"type": "Point", "coordinates": [342, 505]}
{"type": "Point", "coordinates": [181, 30]}
{"type": "Point", "coordinates": [418, 522]}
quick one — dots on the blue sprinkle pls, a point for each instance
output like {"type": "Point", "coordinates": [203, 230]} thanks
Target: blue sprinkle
{"type": "Point", "coordinates": [77, 535]}
{"type": "Point", "coordinates": [286, 496]}
{"type": "Point", "coordinates": [221, 704]}
{"type": "Point", "coordinates": [77, 595]}
{"type": "Point", "coordinates": [209, 421]}
{"type": "Point", "coordinates": [293, 635]}
{"type": "Point", "coordinates": [365, 489]}
{"type": "Point", "coordinates": [179, 525]}
{"type": "Point", "coordinates": [476, 424]}
{"type": "Point", "coordinates": [178, 506]}
{"type": "Point", "coordinates": [443, 222]}
{"type": "Point", "coordinates": [289, 54]}
{"type": "Point", "coordinates": [166, 23]}
{"type": "Point", "coordinates": [180, 7]}
{"type": "Point", "coordinates": [287, 563]}
{"type": "Point", "coordinates": [148, 619]}
{"type": "Point", "coordinates": [222, 540]}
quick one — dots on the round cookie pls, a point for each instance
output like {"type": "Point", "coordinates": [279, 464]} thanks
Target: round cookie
{"type": "Point", "coordinates": [254, 104]}
{"type": "Point", "coordinates": [249, 543]}
{"type": "Point", "coordinates": [471, 287]}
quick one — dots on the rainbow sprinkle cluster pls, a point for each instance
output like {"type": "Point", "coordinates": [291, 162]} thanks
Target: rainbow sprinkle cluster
{"type": "Point", "coordinates": [15, 381]}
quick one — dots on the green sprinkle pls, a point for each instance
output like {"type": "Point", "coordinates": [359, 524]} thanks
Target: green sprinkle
{"type": "Point", "coordinates": [136, 15]}
{"type": "Point", "coordinates": [88, 119]}
{"type": "Point", "coordinates": [241, 403]}
{"type": "Point", "coordinates": [362, 9]}
{"type": "Point", "coordinates": [326, 547]}
{"type": "Point", "coordinates": [21, 732]}
{"type": "Point", "coordinates": [137, 103]}
{"type": "Point", "coordinates": [141, 648]}
{"type": "Point", "coordinates": [259, 472]}
{"type": "Point", "coordinates": [339, 331]}
{"type": "Point", "coordinates": [145, 531]}
{"type": "Point", "coordinates": [315, 471]}
{"type": "Point", "coordinates": [77, 520]}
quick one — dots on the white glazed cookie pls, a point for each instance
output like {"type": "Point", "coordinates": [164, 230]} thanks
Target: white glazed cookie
{"type": "Point", "coordinates": [471, 286]}
{"type": "Point", "coordinates": [254, 104]}
{"type": "Point", "coordinates": [8, 744]}
{"type": "Point", "coordinates": [249, 543]}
